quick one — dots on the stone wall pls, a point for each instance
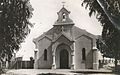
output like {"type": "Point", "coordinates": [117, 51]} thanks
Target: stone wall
{"type": "Point", "coordinates": [44, 43]}
{"type": "Point", "coordinates": [80, 43]}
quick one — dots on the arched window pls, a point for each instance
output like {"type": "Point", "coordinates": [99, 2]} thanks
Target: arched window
{"type": "Point", "coordinates": [45, 54]}
{"type": "Point", "coordinates": [83, 54]}
{"type": "Point", "coordinates": [64, 16]}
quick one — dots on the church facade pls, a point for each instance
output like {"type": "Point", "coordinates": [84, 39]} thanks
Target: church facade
{"type": "Point", "coordinates": [65, 46]}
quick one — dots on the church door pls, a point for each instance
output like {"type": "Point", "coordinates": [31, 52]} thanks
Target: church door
{"type": "Point", "coordinates": [64, 59]}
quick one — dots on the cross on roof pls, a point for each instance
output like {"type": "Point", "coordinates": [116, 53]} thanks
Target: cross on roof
{"type": "Point", "coordinates": [63, 3]}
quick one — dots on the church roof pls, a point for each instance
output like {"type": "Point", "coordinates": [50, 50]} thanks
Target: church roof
{"type": "Point", "coordinates": [77, 32]}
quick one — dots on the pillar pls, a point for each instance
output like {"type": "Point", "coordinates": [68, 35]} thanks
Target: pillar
{"type": "Point", "coordinates": [95, 58]}
{"type": "Point", "coordinates": [35, 53]}
{"type": "Point", "coordinates": [73, 57]}
{"type": "Point", "coordinates": [73, 64]}
{"type": "Point", "coordinates": [54, 64]}
{"type": "Point", "coordinates": [35, 59]}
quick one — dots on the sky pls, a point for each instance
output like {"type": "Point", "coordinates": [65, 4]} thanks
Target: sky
{"type": "Point", "coordinates": [45, 15]}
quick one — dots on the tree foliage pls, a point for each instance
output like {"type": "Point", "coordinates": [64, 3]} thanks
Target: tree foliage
{"type": "Point", "coordinates": [14, 24]}
{"type": "Point", "coordinates": [108, 14]}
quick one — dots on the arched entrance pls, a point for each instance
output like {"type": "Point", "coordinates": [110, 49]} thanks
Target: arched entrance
{"type": "Point", "coordinates": [64, 59]}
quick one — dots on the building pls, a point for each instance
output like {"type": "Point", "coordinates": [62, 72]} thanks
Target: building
{"type": "Point", "coordinates": [65, 46]}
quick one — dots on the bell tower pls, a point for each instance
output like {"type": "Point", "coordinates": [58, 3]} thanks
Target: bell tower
{"type": "Point", "coordinates": [63, 24]}
{"type": "Point", "coordinates": [63, 17]}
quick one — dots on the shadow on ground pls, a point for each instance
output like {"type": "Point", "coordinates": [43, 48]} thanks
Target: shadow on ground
{"type": "Point", "coordinates": [50, 74]}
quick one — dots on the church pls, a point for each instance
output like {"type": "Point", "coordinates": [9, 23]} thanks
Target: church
{"type": "Point", "coordinates": [65, 46]}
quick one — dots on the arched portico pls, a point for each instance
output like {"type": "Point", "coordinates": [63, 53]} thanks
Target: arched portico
{"type": "Point", "coordinates": [63, 57]}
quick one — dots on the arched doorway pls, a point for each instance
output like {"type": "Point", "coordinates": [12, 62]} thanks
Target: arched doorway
{"type": "Point", "coordinates": [64, 59]}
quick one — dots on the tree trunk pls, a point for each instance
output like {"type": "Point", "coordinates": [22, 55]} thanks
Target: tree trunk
{"type": "Point", "coordinates": [115, 63]}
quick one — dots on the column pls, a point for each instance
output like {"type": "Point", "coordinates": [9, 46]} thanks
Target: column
{"type": "Point", "coordinates": [73, 56]}
{"type": "Point", "coordinates": [95, 59]}
{"type": "Point", "coordinates": [54, 64]}
{"type": "Point", "coordinates": [35, 59]}
{"type": "Point", "coordinates": [35, 54]}
{"type": "Point", "coordinates": [72, 65]}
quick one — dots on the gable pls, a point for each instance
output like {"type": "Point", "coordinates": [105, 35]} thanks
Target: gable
{"type": "Point", "coordinates": [63, 36]}
{"type": "Point", "coordinates": [43, 40]}
{"type": "Point", "coordinates": [45, 37]}
{"type": "Point", "coordinates": [78, 32]}
{"type": "Point", "coordinates": [85, 36]}
{"type": "Point", "coordinates": [84, 41]}
{"type": "Point", "coordinates": [44, 43]}
{"type": "Point", "coordinates": [64, 10]}
{"type": "Point", "coordinates": [61, 40]}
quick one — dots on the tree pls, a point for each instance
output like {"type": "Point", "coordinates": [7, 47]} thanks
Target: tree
{"type": "Point", "coordinates": [14, 25]}
{"type": "Point", "coordinates": [108, 14]}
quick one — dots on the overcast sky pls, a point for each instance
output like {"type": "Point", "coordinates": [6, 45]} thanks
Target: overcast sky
{"type": "Point", "coordinates": [44, 16]}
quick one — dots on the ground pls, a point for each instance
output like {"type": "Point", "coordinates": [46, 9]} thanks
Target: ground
{"type": "Point", "coordinates": [58, 71]}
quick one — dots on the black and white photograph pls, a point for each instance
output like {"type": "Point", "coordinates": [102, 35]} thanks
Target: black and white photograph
{"type": "Point", "coordinates": [59, 37]}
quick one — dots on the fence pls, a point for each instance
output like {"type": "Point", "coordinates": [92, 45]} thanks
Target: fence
{"type": "Point", "coordinates": [110, 62]}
